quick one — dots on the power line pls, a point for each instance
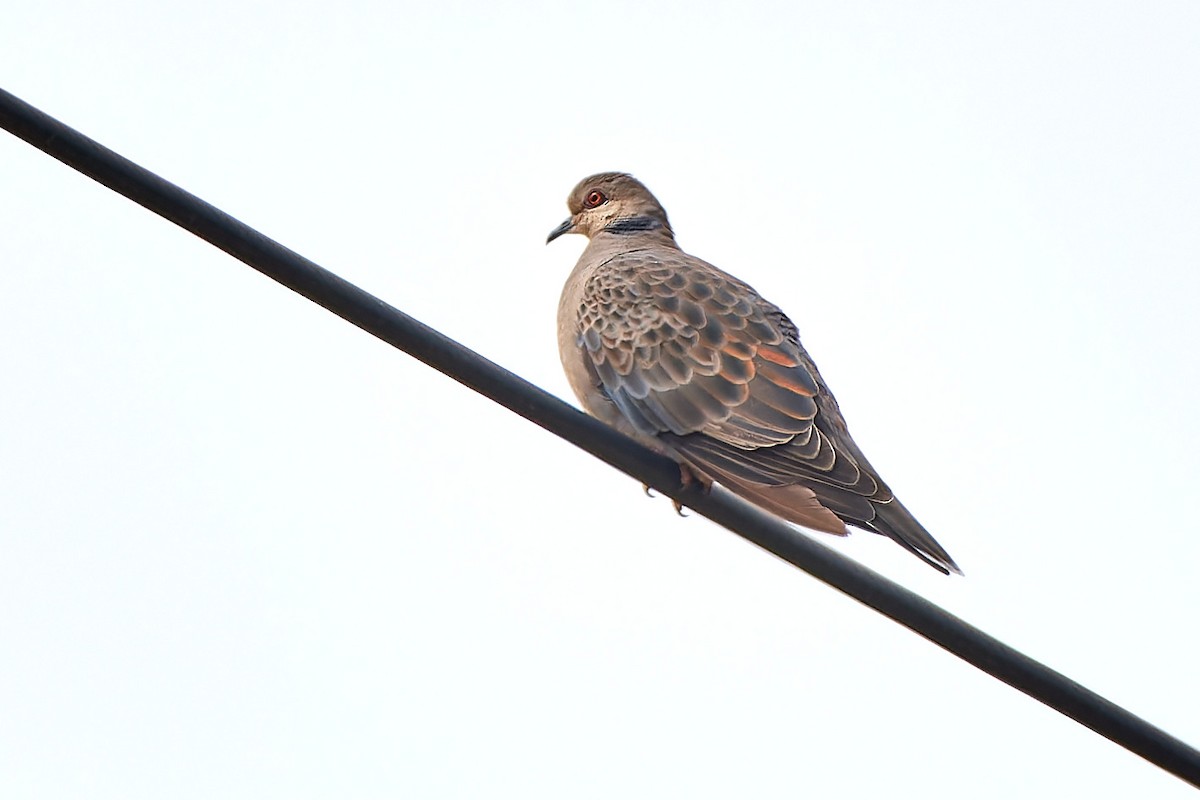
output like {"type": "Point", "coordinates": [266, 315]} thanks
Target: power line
{"type": "Point", "coordinates": [473, 370]}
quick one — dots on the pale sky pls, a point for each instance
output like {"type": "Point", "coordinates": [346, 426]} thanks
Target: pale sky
{"type": "Point", "coordinates": [247, 551]}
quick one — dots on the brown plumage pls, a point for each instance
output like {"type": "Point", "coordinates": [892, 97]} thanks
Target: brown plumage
{"type": "Point", "coordinates": [693, 362]}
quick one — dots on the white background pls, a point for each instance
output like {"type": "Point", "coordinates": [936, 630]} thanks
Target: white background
{"type": "Point", "coordinates": [247, 551]}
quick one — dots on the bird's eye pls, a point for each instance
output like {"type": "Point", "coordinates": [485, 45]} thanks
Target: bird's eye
{"type": "Point", "coordinates": [594, 198]}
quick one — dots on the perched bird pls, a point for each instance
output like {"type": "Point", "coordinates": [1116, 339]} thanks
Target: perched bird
{"type": "Point", "coordinates": [697, 365]}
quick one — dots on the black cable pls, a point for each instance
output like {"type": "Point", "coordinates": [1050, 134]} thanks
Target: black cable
{"type": "Point", "coordinates": [447, 356]}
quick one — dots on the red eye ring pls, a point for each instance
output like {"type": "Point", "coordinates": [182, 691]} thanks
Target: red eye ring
{"type": "Point", "coordinates": [594, 198]}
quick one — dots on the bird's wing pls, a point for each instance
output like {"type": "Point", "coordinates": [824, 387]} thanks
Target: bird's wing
{"type": "Point", "coordinates": [696, 357]}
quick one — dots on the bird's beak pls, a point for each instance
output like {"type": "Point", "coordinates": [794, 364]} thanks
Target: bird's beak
{"type": "Point", "coordinates": [568, 226]}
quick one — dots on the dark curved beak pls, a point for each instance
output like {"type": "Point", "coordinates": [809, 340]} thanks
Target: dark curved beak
{"type": "Point", "coordinates": [568, 226]}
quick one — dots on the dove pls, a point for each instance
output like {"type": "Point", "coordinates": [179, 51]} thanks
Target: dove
{"type": "Point", "coordinates": [698, 366]}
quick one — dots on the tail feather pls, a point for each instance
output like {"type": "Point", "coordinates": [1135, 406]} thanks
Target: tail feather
{"type": "Point", "coordinates": [897, 523]}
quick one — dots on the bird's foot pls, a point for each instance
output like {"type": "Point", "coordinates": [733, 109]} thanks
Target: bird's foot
{"type": "Point", "coordinates": [687, 478]}
{"type": "Point", "coordinates": [678, 506]}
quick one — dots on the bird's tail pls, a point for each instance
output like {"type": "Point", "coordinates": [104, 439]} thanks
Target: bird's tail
{"type": "Point", "coordinates": [894, 521]}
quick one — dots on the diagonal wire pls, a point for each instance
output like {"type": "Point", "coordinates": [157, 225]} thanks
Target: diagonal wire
{"type": "Point", "coordinates": [471, 369]}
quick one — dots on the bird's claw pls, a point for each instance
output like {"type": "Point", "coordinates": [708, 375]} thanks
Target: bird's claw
{"type": "Point", "coordinates": [686, 478]}
{"type": "Point", "coordinates": [678, 505]}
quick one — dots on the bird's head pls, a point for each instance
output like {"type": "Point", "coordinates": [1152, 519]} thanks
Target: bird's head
{"type": "Point", "coordinates": [614, 203]}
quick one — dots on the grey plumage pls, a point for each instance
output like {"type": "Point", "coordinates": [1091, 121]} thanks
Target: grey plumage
{"type": "Point", "coordinates": [696, 364]}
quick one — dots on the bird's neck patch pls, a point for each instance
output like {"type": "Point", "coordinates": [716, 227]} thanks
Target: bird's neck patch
{"type": "Point", "coordinates": [630, 225]}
